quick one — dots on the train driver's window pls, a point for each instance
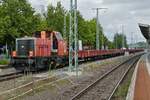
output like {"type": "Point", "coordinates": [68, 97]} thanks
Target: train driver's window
{"type": "Point", "coordinates": [55, 43]}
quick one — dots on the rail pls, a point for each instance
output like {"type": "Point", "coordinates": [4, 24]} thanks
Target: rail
{"type": "Point", "coordinates": [82, 92]}
{"type": "Point", "coordinates": [9, 76]}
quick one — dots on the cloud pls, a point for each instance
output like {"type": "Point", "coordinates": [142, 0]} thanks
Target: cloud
{"type": "Point", "coordinates": [120, 12]}
{"type": "Point", "coordinates": [126, 12]}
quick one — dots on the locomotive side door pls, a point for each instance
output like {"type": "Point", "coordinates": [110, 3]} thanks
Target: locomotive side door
{"type": "Point", "coordinates": [59, 46]}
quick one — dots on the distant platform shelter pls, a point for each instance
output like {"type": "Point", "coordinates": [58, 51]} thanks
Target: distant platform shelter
{"type": "Point", "coordinates": [145, 29]}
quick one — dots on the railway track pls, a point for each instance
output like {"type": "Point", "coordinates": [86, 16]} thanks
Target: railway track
{"type": "Point", "coordinates": [9, 76]}
{"type": "Point", "coordinates": [5, 66]}
{"type": "Point", "coordinates": [13, 75]}
{"type": "Point", "coordinates": [105, 86]}
{"type": "Point", "coordinates": [122, 78]}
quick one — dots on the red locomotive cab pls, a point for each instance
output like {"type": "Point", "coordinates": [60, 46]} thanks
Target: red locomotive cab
{"type": "Point", "coordinates": [43, 47]}
{"type": "Point", "coordinates": [43, 35]}
{"type": "Point", "coordinates": [59, 46]}
{"type": "Point", "coordinates": [62, 48]}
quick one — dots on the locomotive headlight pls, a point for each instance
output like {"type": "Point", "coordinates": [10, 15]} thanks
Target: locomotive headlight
{"type": "Point", "coordinates": [30, 53]}
{"type": "Point", "coordinates": [14, 54]}
{"type": "Point", "coordinates": [22, 46]}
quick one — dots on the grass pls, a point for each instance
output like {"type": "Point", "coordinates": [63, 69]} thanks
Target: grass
{"type": "Point", "coordinates": [4, 62]}
{"type": "Point", "coordinates": [122, 90]}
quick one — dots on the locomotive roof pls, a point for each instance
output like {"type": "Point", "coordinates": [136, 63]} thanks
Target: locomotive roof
{"type": "Point", "coordinates": [26, 38]}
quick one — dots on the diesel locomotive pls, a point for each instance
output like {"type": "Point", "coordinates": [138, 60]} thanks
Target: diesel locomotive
{"type": "Point", "coordinates": [39, 51]}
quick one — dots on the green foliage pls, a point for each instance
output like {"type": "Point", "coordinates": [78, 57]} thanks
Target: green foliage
{"type": "Point", "coordinates": [55, 17]}
{"type": "Point", "coordinates": [86, 28]}
{"type": "Point", "coordinates": [138, 45]}
{"type": "Point", "coordinates": [4, 62]}
{"type": "Point", "coordinates": [119, 39]}
{"type": "Point", "coordinates": [16, 19]}
{"type": "Point", "coordinates": [87, 31]}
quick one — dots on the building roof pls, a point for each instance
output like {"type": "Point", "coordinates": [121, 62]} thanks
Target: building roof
{"type": "Point", "coordinates": [145, 29]}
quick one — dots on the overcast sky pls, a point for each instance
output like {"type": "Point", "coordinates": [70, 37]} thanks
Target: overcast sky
{"type": "Point", "coordinates": [126, 13]}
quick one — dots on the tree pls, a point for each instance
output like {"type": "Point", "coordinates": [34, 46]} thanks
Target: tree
{"type": "Point", "coordinates": [119, 39]}
{"type": "Point", "coordinates": [55, 17]}
{"type": "Point", "coordinates": [17, 19]}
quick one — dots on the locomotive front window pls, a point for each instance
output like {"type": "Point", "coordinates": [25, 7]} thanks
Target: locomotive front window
{"type": "Point", "coordinates": [24, 46]}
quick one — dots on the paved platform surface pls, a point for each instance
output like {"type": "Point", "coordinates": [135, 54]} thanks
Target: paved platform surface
{"type": "Point", "coordinates": [140, 84]}
{"type": "Point", "coordinates": [7, 71]}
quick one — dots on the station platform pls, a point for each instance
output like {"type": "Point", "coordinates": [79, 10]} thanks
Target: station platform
{"type": "Point", "coordinates": [140, 84]}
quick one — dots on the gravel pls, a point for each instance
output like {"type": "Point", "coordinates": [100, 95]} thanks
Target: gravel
{"type": "Point", "coordinates": [104, 88]}
{"type": "Point", "coordinates": [58, 91]}
{"type": "Point", "coordinates": [90, 71]}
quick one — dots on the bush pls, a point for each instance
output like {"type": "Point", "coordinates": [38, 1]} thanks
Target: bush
{"type": "Point", "coordinates": [4, 62]}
